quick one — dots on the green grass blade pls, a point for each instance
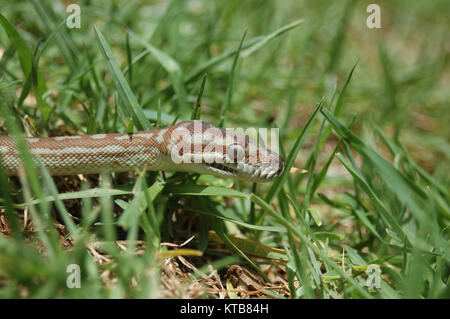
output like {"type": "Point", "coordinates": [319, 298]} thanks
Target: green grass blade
{"type": "Point", "coordinates": [198, 103]}
{"type": "Point", "coordinates": [19, 44]}
{"type": "Point", "coordinates": [125, 93]}
{"type": "Point", "coordinates": [292, 155]}
{"type": "Point", "coordinates": [176, 75]}
{"type": "Point", "coordinates": [258, 45]}
{"type": "Point", "coordinates": [231, 81]}
{"type": "Point", "coordinates": [376, 201]}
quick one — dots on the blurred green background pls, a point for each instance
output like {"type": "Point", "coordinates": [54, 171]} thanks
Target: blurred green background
{"type": "Point", "coordinates": [399, 91]}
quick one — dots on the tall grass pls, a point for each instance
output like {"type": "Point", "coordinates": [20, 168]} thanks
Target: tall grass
{"type": "Point", "coordinates": [363, 119]}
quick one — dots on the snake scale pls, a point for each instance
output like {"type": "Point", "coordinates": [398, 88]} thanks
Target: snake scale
{"type": "Point", "coordinates": [189, 146]}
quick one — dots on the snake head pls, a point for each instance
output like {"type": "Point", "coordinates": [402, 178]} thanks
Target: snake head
{"type": "Point", "coordinates": [204, 148]}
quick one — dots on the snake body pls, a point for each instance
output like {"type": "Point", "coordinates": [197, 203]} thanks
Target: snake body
{"type": "Point", "coordinates": [190, 146]}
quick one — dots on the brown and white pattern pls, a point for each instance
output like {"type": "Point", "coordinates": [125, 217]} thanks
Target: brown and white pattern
{"type": "Point", "coordinates": [192, 146]}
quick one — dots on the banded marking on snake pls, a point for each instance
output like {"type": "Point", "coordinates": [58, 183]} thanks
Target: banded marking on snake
{"type": "Point", "coordinates": [190, 146]}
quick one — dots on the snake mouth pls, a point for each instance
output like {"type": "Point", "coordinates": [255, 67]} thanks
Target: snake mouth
{"type": "Point", "coordinates": [260, 173]}
{"type": "Point", "coordinates": [223, 168]}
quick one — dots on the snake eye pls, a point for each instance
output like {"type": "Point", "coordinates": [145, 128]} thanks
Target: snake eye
{"type": "Point", "coordinates": [235, 153]}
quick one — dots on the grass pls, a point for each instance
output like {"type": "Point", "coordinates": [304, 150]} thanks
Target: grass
{"type": "Point", "coordinates": [363, 129]}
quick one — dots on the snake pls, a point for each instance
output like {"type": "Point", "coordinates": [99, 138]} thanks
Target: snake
{"type": "Point", "coordinates": [191, 146]}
